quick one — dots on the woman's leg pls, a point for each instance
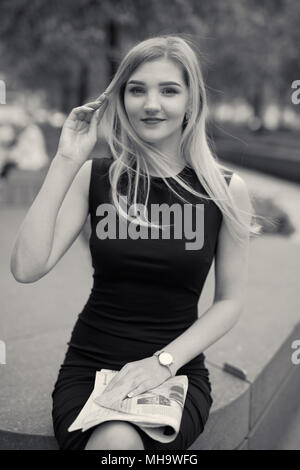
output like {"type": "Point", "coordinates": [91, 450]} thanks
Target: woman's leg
{"type": "Point", "coordinates": [115, 435]}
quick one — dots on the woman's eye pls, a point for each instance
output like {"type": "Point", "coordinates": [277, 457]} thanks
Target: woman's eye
{"type": "Point", "coordinates": [170, 90]}
{"type": "Point", "coordinates": [136, 89]}
{"type": "Point", "coordinates": [166, 91]}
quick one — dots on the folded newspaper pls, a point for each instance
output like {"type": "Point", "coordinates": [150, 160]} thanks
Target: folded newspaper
{"type": "Point", "coordinates": [157, 412]}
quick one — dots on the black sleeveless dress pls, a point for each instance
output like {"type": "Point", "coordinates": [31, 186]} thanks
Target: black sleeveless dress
{"type": "Point", "coordinates": [145, 294]}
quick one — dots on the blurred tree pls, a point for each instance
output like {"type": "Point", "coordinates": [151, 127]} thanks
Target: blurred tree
{"type": "Point", "coordinates": [54, 44]}
{"type": "Point", "coordinates": [253, 44]}
{"type": "Point", "coordinates": [249, 48]}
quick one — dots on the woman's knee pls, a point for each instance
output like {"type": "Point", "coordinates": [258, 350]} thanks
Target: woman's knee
{"type": "Point", "coordinates": [113, 435]}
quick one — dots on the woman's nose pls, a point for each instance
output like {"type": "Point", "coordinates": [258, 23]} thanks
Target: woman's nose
{"type": "Point", "coordinates": [151, 103]}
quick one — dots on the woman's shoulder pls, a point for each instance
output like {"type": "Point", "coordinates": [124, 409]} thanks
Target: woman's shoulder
{"type": "Point", "coordinates": [233, 179]}
{"type": "Point", "coordinates": [238, 188]}
{"type": "Point", "coordinates": [228, 174]}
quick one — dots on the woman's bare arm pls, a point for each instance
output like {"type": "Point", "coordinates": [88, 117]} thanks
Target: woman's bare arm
{"type": "Point", "coordinates": [37, 235]}
{"type": "Point", "coordinates": [34, 240]}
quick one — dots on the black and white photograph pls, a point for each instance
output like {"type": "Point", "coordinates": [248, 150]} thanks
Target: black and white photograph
{"type": "Point", "coordinates": [150, 229]}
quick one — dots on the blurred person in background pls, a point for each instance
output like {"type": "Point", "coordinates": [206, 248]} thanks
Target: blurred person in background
{"type": "Point", "coordinates": [7, 141]}
{"type": "Point", "coordinates": [30, 152]}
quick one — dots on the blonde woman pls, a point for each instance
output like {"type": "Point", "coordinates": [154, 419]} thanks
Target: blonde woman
{"type": "Point", "coordinates": [161, 208]}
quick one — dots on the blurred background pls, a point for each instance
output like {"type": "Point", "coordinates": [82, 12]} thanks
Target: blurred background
{"type": "Point", "coordinates": [56, 55]}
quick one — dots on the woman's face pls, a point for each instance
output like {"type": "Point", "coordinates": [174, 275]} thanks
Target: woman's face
{"type": "Point", "coordinates": [156, 90]}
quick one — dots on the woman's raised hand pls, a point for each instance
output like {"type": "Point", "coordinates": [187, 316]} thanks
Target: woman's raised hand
{"type": "Point", "coordinates": [79, 133]}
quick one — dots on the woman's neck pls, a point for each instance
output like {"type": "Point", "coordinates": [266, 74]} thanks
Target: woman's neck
{"type": "Point", "coordinates": [175, 162]}
{"type": "Point", "coordinates": [173, 168]}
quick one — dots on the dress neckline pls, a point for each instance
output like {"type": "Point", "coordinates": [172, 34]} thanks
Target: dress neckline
{"type": "Point", "coordinates": [160, 178]}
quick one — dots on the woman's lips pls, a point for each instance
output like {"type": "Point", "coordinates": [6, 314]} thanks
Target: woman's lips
{"type": "Point", "coordinates": [152, 121]}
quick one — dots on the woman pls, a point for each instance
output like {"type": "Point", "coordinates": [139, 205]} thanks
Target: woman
{"type": "Point", "coordinates": [147, 281]}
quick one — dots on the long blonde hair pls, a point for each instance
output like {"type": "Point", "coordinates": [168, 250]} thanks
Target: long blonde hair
{"type": "Point", "coordinates": [129, 150]}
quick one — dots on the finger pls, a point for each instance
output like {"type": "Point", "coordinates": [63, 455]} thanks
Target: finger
{"type": "Point", "coordinates": [97, 116]}
{"type": "Point", "coordinates": [124, 385]}
{"type": "Point", "coordinates": [107, 399]}
{"type": "Point", "coordinates": [84, 110]}
{"type": "Point", "coordinates": [110, 385]}
{"type": "Point", "coordinates": [83, 113]}
{"type": "Point", "coordinates": [115, 382]}
{"type": "Point", "coordinates": [102, 97]}
{"type": "Point", "coordinates": [119, 391]}
{"type": "Point", "coordinates": [100, 101]}
{"type": "Point", "coordinates": [87, 109]}
{"type": "Point", "coordinates": [101, 111]}
{"type": "Point", "coordinates": [95, 104]}
{"type": "Point", "coordinates": [79, 113]}
{"type": "Point", "coordinates": [142, 388]}
{"type": "Point", "coordinates": [116, 378]}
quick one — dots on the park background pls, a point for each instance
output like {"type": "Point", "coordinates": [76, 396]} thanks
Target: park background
{"type": "Point", "coordinates": [60, 54]}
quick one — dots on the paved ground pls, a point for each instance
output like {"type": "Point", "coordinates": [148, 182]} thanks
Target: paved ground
{"type": "Point", "coordinates": [291, 438]}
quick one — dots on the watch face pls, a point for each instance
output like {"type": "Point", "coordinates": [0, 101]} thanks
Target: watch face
{"type": "Point", "coordinates": [165, 358]}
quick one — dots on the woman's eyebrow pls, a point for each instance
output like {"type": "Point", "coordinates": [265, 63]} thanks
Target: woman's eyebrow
{"type": "Point", "coordinates": [138, 82]}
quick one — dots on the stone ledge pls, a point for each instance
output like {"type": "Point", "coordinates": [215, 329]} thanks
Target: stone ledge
{"type": "Point", "coordinates": [232, 410]}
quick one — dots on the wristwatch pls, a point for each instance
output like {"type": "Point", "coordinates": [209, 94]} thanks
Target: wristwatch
{"type": "Point", "coordinates": [165, 359]}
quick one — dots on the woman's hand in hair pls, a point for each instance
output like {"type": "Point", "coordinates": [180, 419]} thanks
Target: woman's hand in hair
{"type": "Point", "coordinates": [80, 129]}
{"type": "Point", "coordinates": [135, 377]}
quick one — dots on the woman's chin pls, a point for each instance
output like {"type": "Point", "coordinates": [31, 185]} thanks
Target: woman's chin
{"type": "Point", "coordinates": [150, 139]}
{"type": "Point", "coordinates": [153, 139]}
